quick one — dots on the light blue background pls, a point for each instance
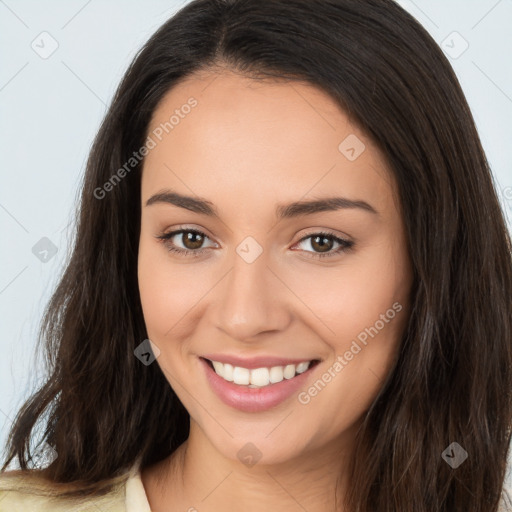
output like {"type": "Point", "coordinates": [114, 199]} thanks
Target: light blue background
{"type": "Point", "coordinates": [50, 110]}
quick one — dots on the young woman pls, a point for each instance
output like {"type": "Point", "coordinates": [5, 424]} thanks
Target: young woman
{"type": "Point", "coordinates": [291, 280]}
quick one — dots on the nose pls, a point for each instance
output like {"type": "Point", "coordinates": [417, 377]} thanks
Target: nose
{"type": "Point", "coordinates": [253, 300]}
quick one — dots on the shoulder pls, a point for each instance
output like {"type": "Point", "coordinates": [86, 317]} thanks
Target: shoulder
{"type": "Point", "coordinates": [27, 491]}
{"type": "Point", "coordinates": [506, 500]}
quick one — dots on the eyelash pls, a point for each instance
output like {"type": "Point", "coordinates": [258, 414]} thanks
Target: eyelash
{"type": "Point", "coordinates": [345, 245]}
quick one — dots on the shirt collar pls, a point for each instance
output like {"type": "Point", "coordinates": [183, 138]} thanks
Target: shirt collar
{"type": "Point", "coordinates": [136, 497]}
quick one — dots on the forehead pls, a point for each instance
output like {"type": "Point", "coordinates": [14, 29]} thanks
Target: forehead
{"type": "Point", "coordinates": [268, 137]}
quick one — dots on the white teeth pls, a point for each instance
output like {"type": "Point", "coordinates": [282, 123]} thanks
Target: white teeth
{"type": "Point", "coordinates": [219, 368]}
{"type": "Point", "coordinates": [241, 375]}
{"type": "Point", "coordinates": [228, 372]}
{"type": "Point", "coordinates": [302, 367]}
{"type": "Point", "coordinates": [258, 377]}
{"type": "Point", "coordinates": [289, 371]}
{"type": "Point", "coordinates": [276, 374]}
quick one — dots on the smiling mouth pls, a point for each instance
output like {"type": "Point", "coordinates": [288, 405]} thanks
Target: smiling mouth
{"type": "Point", "coordinates": [259, 377]}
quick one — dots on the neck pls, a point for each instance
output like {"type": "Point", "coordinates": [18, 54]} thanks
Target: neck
{"type": "Point", "coordinates": [197, 477]}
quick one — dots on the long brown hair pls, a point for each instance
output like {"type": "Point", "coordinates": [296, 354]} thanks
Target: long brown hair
{"type": "Point", "coordinates": [452, 380]}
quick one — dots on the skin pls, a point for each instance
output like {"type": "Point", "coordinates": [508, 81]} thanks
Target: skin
{"type": "Point", "coordinates": [246, 147]}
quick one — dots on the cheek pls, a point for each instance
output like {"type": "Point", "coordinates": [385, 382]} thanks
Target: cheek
{"type": "Point", "coordinates": [169, 292]}
{"type": "Point", "coordinates": [344, 300]}
{"type": "Point", "coordinates": [365, 306]}
{"type": "Point", "coordinates": [160, 291]}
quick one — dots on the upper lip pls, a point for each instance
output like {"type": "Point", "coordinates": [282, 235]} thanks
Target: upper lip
{"type": "Point", "coordinates": [263, 361]}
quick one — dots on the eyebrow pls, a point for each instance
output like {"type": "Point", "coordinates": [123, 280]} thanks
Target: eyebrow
{"type": "Point", "coordinates": [283, 211]}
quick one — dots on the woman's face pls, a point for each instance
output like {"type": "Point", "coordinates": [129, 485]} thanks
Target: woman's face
{"type": "Point", "coordinates": [269, 282]}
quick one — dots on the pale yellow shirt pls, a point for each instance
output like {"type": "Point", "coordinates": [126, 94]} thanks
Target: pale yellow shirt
{"type": "Point", "coordinates": [136, 499]}
{"type": "Point", "coordinates": [129, 497]}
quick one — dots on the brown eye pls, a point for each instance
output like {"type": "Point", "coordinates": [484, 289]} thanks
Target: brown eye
{"type": "Point", "coordinates": [186, 242]}
{"type": "Point", "coordinates": [322, 243]}
{"type": "Point", "coordinates": [192, 240]}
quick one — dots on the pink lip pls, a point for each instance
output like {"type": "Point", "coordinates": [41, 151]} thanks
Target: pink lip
{"type": "Point", "coordinates": [248, 399]}
{"type": "Point", "coordinates": [254, 362]}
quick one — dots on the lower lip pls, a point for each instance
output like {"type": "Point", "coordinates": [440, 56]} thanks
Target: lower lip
{"type": "Point", "coordinates": [248, 399]}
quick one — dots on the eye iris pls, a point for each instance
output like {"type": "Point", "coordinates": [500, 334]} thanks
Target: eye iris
{"type": "Point", "coordinates": [322, 246]}
{"type": "Point", "coordinates": [194, 238]}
